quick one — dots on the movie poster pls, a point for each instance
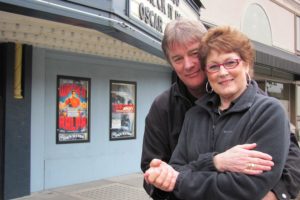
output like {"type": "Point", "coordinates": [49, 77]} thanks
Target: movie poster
{"type": "Point", "coordinates": [123, 110]}
{"type": "Point", "coordinates": [73, 108]}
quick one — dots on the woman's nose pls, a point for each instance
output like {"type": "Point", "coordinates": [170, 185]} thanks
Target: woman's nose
{"type": "Point", "coordinates": [223, 70]}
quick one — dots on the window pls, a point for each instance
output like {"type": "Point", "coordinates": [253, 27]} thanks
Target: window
{"type": "Point", "coordinates": [281, 91]}
{"type": "Point", "coordinates": [298, 34]}
{"type": "Point", "coordinates": [256, 24]}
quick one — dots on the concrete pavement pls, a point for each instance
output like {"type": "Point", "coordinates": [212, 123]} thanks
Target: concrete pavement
{"type": "Point", "coordinates": [127, 187]}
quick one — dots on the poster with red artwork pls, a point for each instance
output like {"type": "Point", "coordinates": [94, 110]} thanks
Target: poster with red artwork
{"type": "Point", "coordinates": [73, 109]}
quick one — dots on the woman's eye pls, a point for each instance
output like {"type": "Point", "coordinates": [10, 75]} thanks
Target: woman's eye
{"type": "Point", "coordinates": [213, 67]}
{"type": "Point", "coordinates": [231, 62]}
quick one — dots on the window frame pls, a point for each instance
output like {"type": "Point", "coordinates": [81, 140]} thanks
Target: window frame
{"type": "Point", "coordinates": [297, 34]}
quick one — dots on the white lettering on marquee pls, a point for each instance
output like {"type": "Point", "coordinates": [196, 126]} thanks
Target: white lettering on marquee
{"type": "Point", "coordinates": [157, 13]}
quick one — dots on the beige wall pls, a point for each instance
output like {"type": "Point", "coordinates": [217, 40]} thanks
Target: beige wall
{"type": "Point", "coordinates": [232, 12]}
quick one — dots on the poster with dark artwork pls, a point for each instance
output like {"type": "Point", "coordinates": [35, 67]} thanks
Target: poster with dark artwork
{"type": "Point", "coordinates": [73, 108]}
{"type": "Point", "coordinates": [123, 110]}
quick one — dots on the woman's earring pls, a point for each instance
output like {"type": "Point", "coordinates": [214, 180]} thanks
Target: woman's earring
{"type": "Point", "coordinates": [248, 77]}
{"type": "Point", "coordinates": [208, 88]}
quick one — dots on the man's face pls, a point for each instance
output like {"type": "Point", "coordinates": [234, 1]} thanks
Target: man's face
{"type": "Point", "coordinates": [185, 61]}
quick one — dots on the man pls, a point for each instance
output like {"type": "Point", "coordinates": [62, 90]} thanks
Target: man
{"type": "Point", "coordinates": [164, 121]}
{"type": "Point", "coordinates": [73, 101]}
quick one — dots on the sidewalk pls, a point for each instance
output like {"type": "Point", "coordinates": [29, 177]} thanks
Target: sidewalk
{"type": "Point", "coordinates": [127, 187]}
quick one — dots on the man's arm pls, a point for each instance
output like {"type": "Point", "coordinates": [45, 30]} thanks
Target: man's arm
{"type": "Point", "coordinates": [155, 141]}
{"type": "Point", "coordinates": [289, 185]}
{"type": "Point", "coordinates": [155, 145]}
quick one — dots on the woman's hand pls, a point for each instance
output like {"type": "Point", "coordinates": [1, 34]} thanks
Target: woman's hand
{"type": "Point", "coordinates": [243, 159]}
{"type": "Point", "coordinates": [161, 175]}
{"type": "Point", "coordinates": [270, 196]}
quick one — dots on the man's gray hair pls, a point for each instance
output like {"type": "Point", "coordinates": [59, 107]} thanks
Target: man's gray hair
{"type": "Point", "coordinates": [181, 32]}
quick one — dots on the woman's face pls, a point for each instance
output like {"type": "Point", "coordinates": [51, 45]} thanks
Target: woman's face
{"type": "Point", "coordinates": [228, 83]}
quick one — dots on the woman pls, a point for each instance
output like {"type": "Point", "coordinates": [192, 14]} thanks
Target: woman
{"type": "Point", "coordinates": [232, 113]}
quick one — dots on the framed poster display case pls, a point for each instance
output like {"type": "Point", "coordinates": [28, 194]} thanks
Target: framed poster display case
{"type": "Point", "coordinates": [73, 110]}
{"type": "Point", "coordinates": [122, 110]}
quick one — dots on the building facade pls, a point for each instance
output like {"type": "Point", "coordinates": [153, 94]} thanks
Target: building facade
{"type": "Point", "coordinates": [107, 53]}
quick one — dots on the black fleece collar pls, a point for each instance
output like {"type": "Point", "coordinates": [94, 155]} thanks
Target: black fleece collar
{"type": "Point", "coordinates": [245, 101]}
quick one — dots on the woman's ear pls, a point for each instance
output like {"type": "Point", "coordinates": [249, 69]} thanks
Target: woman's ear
{"type": "Point", "coordinates": [247, 68]}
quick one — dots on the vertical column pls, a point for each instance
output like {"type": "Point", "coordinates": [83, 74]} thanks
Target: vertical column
{"type": "Point", "coordinates": [2, 110]}
{"type": "Point", "coordinates": [16, 124]}
{"type": "Point", "coordinates": [297, 109]}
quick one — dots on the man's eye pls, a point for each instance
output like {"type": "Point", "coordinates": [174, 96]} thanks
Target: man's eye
{"type": "Point", "coordinates": [177, 59]}
{"type": "Point", "coordinates": [195, 53]}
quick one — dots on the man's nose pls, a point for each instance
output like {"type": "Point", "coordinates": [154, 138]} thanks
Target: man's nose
{"type": "Point", "coordinates": [188, 63]}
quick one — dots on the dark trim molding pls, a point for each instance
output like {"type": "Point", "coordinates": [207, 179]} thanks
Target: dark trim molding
{"type": "Point", "coordinates": [16, 127]}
